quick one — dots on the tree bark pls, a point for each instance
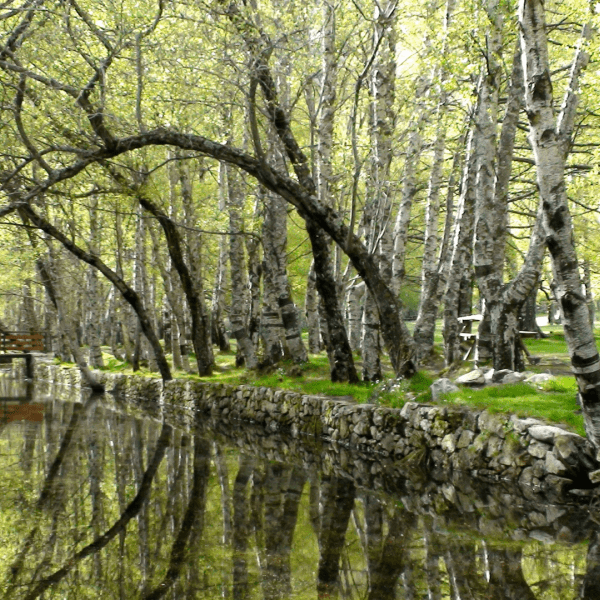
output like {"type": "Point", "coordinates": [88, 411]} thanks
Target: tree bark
{"type": "Point", "coordinates": [219, 333]}
{"type": "Point", "coordinates": [128, 293]}
{"type": "Point", "coordinates": [433, 285]}
{"type": "Point", "coordinates": [342, 363]}
{"type": "Point", "coordinates": [239, 301]}
{"type": "Point", "coordinates": [311, 307]}
{"type": "Point", "coordinates": [462, 251]}
{"type": "Point", "coordinates": [192, 252]}
{"type": "Point", "coordinates": [337, 503]}
{"type": "Point", "coordinates": [47, 271]}
{"type": "Point", "coordinates": [200, 326]}
{"type": "Point", "coordinates": [94, 325]}
{"type": "Point", "coordinates": [550, 138]}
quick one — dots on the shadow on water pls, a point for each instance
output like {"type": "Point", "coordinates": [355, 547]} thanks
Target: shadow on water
{"type": "Point", "coordinates": [99, 500]}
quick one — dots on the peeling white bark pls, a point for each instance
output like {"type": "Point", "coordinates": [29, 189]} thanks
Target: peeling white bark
{"type": "Point", "coordinates": [550, 137]}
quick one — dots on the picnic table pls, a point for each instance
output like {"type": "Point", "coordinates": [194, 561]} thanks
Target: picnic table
{"type": "Point", "coordinates": [470, 337]}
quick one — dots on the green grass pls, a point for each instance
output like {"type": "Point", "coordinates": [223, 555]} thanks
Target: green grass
{"type": "Point", "coordinates": [552, 346]}
{"type": "Point", "coordinates": [553, 400]}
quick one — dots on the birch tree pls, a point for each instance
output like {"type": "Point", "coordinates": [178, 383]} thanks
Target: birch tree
{"type": "Point", "coordinates": [550, 138]}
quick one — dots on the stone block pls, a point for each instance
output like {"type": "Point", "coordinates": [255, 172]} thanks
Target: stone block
{"type": "Point", "coordinates": [538, 449]}
{"type": "Point", "coordinates": [475, 377]}
{"type": "Point", "coordinates": [496, 424]}
{"type": "Point", "coordinates": [465, 439]}
{"type": "Point", "coordinates": [442, 386]}
{"type": "Point", "coordinates": [547, 433]}
{"type": "Point", "coordinates": [554, 465]}
{"type": "Point", "coordinates": [449, 443]}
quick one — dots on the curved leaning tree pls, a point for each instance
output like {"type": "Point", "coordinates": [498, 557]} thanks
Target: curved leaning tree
{"type": "Point", "coordinates": [100, 90]}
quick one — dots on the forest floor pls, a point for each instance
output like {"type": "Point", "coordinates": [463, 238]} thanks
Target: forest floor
{"type": "Point", "coordinates": [554, 400]}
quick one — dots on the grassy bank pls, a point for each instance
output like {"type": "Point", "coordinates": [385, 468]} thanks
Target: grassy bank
{"type": "Point", "coordinates": [554, 400]}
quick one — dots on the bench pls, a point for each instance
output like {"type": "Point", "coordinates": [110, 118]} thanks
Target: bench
{"type": "Point", "coordinates": [20, 344]}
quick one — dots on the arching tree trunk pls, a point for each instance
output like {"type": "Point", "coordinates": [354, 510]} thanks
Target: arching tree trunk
{"type": "Point", "coordinates": [47, 271]}
{"type": "Point", "coordinates": [192, 291]}
{"type": "Point", "coordinates": [128, 293]}
{"type": "Point", "coordinates": [140, 285]}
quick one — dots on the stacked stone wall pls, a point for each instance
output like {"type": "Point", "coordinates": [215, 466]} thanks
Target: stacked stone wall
{"type": "Point", "coordinates": [544, 460]}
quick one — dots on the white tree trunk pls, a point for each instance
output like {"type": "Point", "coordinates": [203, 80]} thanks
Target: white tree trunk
{"type": "Point", "coordinates": [462, 250]}
{"type": "Point", "coordinates": [550, 138]}
{"type": "Point", "coordinates": [94, 325]}
{"type": "Point", "coordinates": [239, 288]}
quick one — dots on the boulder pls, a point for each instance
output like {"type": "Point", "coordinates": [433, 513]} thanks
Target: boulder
{"type": "Point", "coordinates": [442, 386]}
{"type": "Point", "coordinates": [539, 378]}
{"type": "Point", "coordinates": [489, 376]}
{"type": "Point", "coordinates": [547, 433]}
{"type": "Point", "coordinates": [475, 377]}
{"type": "Point", "coordinates": [513, 377]}
{"type": "Point", "coordinates": [498, 376]}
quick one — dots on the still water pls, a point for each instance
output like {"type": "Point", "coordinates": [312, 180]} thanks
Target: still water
{"type": "Point", "coordinates": [99, 500]}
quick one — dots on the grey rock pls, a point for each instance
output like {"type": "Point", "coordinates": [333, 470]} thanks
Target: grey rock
{"type": "Point", "coordinates": [513, 378]}
{"type": "Point", "coordinates": [489, 375]}
{"type": "Point", "coordinates": [522, 425]}
{"type": "Point", "coordinates": [554, 512]}
{"type": "Point", "coordinates": [449, 492]}
{"type": "Point", "coordinates": [408, 409]}
{"type": "Point", "coordinates": [554, 466]}
{"type": "Point", "coordinates": [465, 439]}
{"type": "Point", "coordinates": [494, 447]}
{"type": "Point", "coordinates": [343, 429]}
{"type": "Point", "coordinates": [498, 376]}
{"type": "Point", "coordinates": [595, 476]}
{"type": "Point", "coordinates": [541, 536]}
{"type": "Point", "coordinates": [442, 386]}
{"type": "Point", "coordinates": [449, 443]}
{"type": "Point", "coordinates": [558, 485]}
{"type": "Point", "coordinates": [475, 377]}
{"type": "Point", "coordinates": [547, 433]}
{"type": "Point", "coordinates": [537, 519]}
{"type": "Point", "coordinates": [493, 423]}
{"type": "Point", "coordinates": [538, 449]}
{"type": "Point", "coordinates": [388, 443]}
{"type": "Point", "coordinates": [539, 378]}
{"type": "Point", "coordinates": [362, 428]}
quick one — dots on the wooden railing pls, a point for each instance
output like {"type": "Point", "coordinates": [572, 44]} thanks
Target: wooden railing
{"type": "Point", "coordinates": [21, 341]}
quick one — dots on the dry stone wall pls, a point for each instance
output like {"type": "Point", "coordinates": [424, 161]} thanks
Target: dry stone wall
{"type": "Point", "coordinates": [545, 461]}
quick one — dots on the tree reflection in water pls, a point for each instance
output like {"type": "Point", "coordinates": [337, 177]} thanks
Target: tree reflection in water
{"type": "Point", "coordinates": [100, 503]}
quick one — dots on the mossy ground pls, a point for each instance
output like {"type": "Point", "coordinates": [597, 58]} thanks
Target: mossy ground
{"type": "Point", "coordinates": [554, 400]}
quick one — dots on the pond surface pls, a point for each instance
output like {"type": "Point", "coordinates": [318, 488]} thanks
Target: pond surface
{"type": "Point", "coordinates": [98, 500]}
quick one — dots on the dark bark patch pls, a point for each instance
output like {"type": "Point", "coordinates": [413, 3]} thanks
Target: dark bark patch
{"type": "Point", "coordinates": [483, 270]}
{"type": "Point", "coordinates": [581, 362]}
{"type": "Point", "coordinates": [570, 302]}
{"type": "Point", "coordinates": [557, 218]}
{"type": "Point", "coordinates": [547, 135]}
{"type": "Point", "coordinates": [542, 87]}
{"type": "Point", "coordinates": [553, 246]}
{"type": "Point", "coordinates": [589, 397]}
